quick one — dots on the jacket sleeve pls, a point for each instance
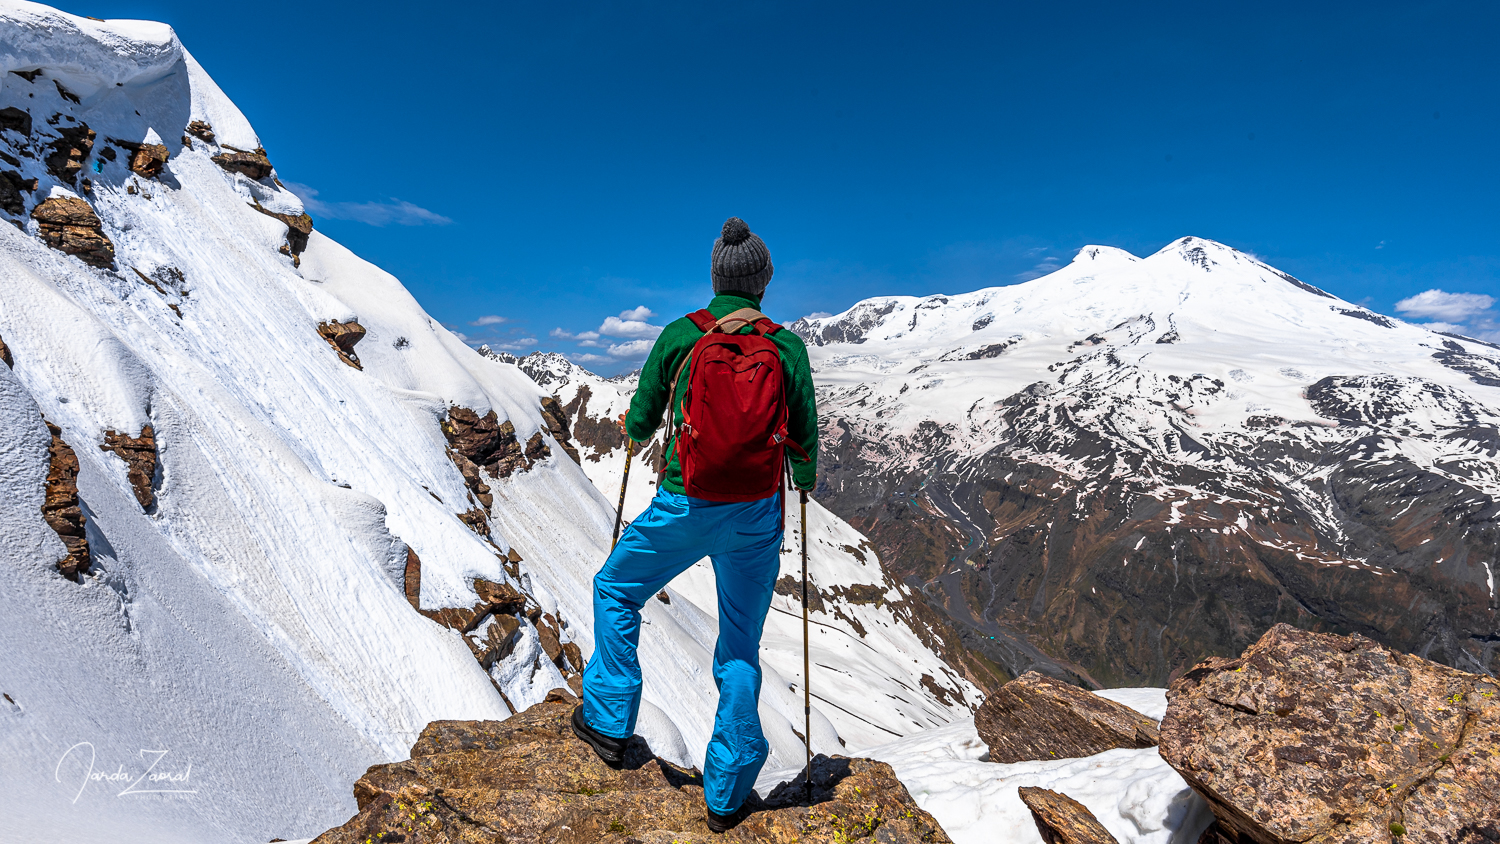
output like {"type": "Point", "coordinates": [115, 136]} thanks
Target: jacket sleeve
{"type": "Point", "coordinates": [650, 400]}
{"type": "Point", "coordinates": [802, 412]}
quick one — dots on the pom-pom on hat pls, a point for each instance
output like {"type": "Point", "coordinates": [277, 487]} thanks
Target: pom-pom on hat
{"type": "Point", "coordinates": [741, 263]}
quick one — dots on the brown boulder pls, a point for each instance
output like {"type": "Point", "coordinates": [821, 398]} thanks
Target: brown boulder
{"type": "Point", "coordinates": [148, 159]}
{"type": "Point", "coordinates": [1037, 717]}
{"type": "Point", "coordinates": [5, 355]}
{"type": "Point", "coordinates": [1311, 737]}
{"type": "Point", "coordinates": [490, 444]}
{"type": "Point", "coordinates": [1062, 820]}
{"type": "Point", "coordinates": [298, 228]}
{"type": "Point", "coordinates": [69, 151]}
{"type": "Point", "coordinates": [343, 336]}
{"type": "Point", "coordinates": [69, 225]}
{"type": "Point", "coordinates": [527, 778]}
{"type": "Point", "coordinates": [255, 165]}
{"type": "Point", "coordinates": [60, 508]}
{"type": "Point", "coordinates": [202, 131]}
{"type": "Point", "coordinates": [139, 454]}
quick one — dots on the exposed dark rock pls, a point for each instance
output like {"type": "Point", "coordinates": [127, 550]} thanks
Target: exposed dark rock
{"type": "Point", "coordinates": [343, 336]}
{"type": "Point", "coordinates": [490, 444]}
{"type": "Point", "coordinates": [28, 75]}
{"type": "Point", "coordinates": [5, 355]}
{"type": "Point", "coordinates": [1037, 717]}
{"type": "Point", "coordinates": [15, 120]}
{"type": "Point", "coordinates": [69, 225]}
{"type": "Point", "coordinates": [145, 159]}
{"type": "Point", "coordinates": [139, 454]}
{"type": "Point", "coordinates": [477, 520]}
{"type": "Point", "coordinates": [254, 165]}
{"type": "Point", "coordinates": [61, 509]}
{"type": "Point", "coordinates": [69, 151]}
{"type": "Point", "coordinates": [202, 131]}
{"type": "Point", "coordinates": [599, 435]}
{"type": "Point", "coordinates": [11, 186]}
{"type": "Point", "coordinates": [493, 598]}
{"type": "Point", "coordinates": [412, 582]}
{"type": "Point", "coordinates": [792, 587]}
{"type": "Point", "coordinates": [1062, 820]}
{"type": "Point", "coordinates": [66, 94]}
{"type": "Point", "coordinates": [556, 420]}
{"type": "Point", "coordinates": [1336, 739]}
{"type": "Point", "coordinates": [298, 228]}
{"type": "Point", "coordinates": [529, 779]}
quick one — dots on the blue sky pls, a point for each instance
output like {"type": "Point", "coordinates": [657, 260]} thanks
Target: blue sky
{"type": "Point", "coordinates": [548, 166]}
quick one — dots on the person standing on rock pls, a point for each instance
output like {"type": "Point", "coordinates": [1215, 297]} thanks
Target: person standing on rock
{"type": "Point", "coordinates": [740, 394]}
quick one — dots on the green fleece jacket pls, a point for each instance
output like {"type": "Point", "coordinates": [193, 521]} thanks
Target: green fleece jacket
{"type": "Point", "coordinates": [676, 343]}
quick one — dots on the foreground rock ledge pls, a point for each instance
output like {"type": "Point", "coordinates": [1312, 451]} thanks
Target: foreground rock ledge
{"type": "Point", "coordinates": [527, 778]}
{"type": "Point", "coordinates": [1036, 717]}
{"type": "Point", "coordinates": [1327, 739]}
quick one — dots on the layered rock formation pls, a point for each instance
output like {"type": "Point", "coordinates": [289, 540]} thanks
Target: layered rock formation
{"type": "Point", "coordinates": [298, 228]}
{"type": "Point", "coordinates": [145, 159]}
{"type": "Point", "coordinates": [5, 355]}
{"type": "Point", "coordinates": [1038, 717]}
{"type": "Point", "coordinates": [1062, 820]}
{"type": "Point", "coordinates": [68, 224]}
{"type": "Point", "coordinates": [61, 508]}
{"type": "Point", "coordinates": [1310, 737]}
{"type": "Point", "coordinates": [139, 454]}
{"type": "Point", "coordinates": [253, 165]}
{"type": "Point", "coordinates": [529, 779]}
{"type": "Point", "coordinates": [343, 336]}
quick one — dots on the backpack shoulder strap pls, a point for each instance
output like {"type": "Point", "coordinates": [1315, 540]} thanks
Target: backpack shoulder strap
{"type": "Point", "coordinates": [736, 320]}
{"type": "Point", "coordinates": [704, 320]}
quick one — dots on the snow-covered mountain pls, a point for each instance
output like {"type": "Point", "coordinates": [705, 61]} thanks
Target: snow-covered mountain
{"type": "Point", "coordinates": [1129, 464]}
{"type": "Point", "coordinates": [262, 518]}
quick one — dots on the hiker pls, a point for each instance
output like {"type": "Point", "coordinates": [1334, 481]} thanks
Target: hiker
{"type": "Point", "coordinates": [728, 506]}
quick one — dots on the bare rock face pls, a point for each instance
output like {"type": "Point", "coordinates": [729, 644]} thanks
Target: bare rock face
{"type": "Point", "coordinates": [1062, 820]}
{"type": "Point", "coordinates": [61, 509]}
{"type": "Point", "coordinates": [69, 225]}
{"type": "Point", "coordinates": [556, 419]}
{"type": "Point", "coordinates": [202, 131]}
{"type": "Point", "coordinates": [69, 152]}
{"type": "Point", "coordinates": [298, 228]}
{"type": "Point", "coordinates": [1037, 717]}
{"type": "Point", "coordinates": [490, 444]}
{"type": "Point", "coordinates": [255, 165]}
{"type": "Point", "coordinates": [1311, 737]}
{"type": "Point", "coordinates": [412, 582]}
{"type": "Point", "coordinates": [5, 355]}
{"type": "Point", "coordinates": [11, 186]}
{"type": "Point", "coordinates": [139, 454]}
{"type": "Point", "coordinates": [529, 779]}
{"type": "Point", "coordinates": [16, 120]}
{"type": "Point", "coordinates": [343, 336]}
{"type": "Point", "coordinates": [145, 159]}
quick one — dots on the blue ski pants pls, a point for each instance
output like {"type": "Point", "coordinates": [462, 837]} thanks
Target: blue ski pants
{"type": "Point", "coordinates": [744, 542]}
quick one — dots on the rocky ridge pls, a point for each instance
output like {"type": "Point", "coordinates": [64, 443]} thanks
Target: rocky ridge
{"type": "Point", "coordinates": [1038, 717]}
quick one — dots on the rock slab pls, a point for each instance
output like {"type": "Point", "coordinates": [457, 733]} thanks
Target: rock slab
{"type": "Point", "coordinates": [61, 509]}
{"type": "Point", "coordinates": [69, 225]}
{"type": "Point", "coordinates": [1035, 717]}
{"type": "Point", "coordinates": [1062, 820]}
{"type": "Point", "coordinates": [139, 454]}
{"type": "Point", "coordinates": [529, 779]}
{"type": "Point", "coordinates": [1311, 737]}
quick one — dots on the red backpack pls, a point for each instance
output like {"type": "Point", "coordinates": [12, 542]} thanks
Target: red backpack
{"type": "Point", "coordinates": [733, 436]}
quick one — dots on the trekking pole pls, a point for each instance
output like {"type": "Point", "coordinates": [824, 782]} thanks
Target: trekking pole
{"type": "Point", "coordinates": [806, 660]}
{"type": "Point", "coordinates": [620, 509]}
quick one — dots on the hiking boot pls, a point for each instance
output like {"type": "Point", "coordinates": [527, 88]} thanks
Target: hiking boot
{"type": "Point", "coordinates": [718, 823]}
{"type": "Point", "coordinates": [611, 750]}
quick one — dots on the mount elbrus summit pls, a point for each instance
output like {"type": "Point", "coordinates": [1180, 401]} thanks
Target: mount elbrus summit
{"type": "Point", "coordinates": [1115, 470]}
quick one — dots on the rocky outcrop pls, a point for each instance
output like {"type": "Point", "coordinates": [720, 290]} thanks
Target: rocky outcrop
{"type": "Point", "coordinates": [529, 779]}
{"type": "Point", "coordinates": [11, 186]}
{"type": "Point", "coordinates": [343, 336]}
{"type": "Point", "coordinates": [5, 355]}
{"type": "Point", "coordinates": [145, 159]}
{"type": "Point", "coordinates": [484, 442]}
{"type": "Point", "coordinates": [1038, 717]}
{"type": "Point", "coordinates": [202, 131]}
{"type": "Point", "coordinates": [69, 151]}
{"type": "Point", "coordinates": [598, 434]}
{"type": "Point", "coordinates": [298, 228]}
{"type": "Point", "coordinates": [411, 583]}
{"type": "Point", "coordinates": [69, 225]}
{"type": "Point", "coordinates": [61, 509]}
{"type": "Point", "coordinates": [1311, 737]}
{"type": "Point", "coordinates": [1062, 820]}
{"type": "Point", "coordinates": [15, 120]}
{"type": "Point", "coordinates": [556, 420]}
{"type": "Point", "coordinates": [254, 165]}
{"type": "Point", "coordinates": [139, 454]}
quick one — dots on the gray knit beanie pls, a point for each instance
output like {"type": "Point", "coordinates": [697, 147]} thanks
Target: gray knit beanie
{"type": "Point", "coordinates": [741, 262]}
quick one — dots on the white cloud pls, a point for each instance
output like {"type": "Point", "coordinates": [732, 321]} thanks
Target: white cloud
{"type": "Point", "coordinates": [489, 320]}
{"type": "Point", "coordinates": [640, 313]}
{"type": "Point", "coordinates": [632, 350]}
{"type": "Point", "coordinates": [397, 211]}
{"type": "Point", "coordinates": [818, 315]}
{"type": "Point", "coordinates": [1444, 306]}
{"type": "Point", "coordinates": [630, 328]}
{"type": "Point", "coordinates": [516, 345]}
{"type": "Point", "coordinates": [1443, 326]}
{"type": "Point", "coordinates": [561, 334]}
{"type": "Point", "coordinates": [588, 358]}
